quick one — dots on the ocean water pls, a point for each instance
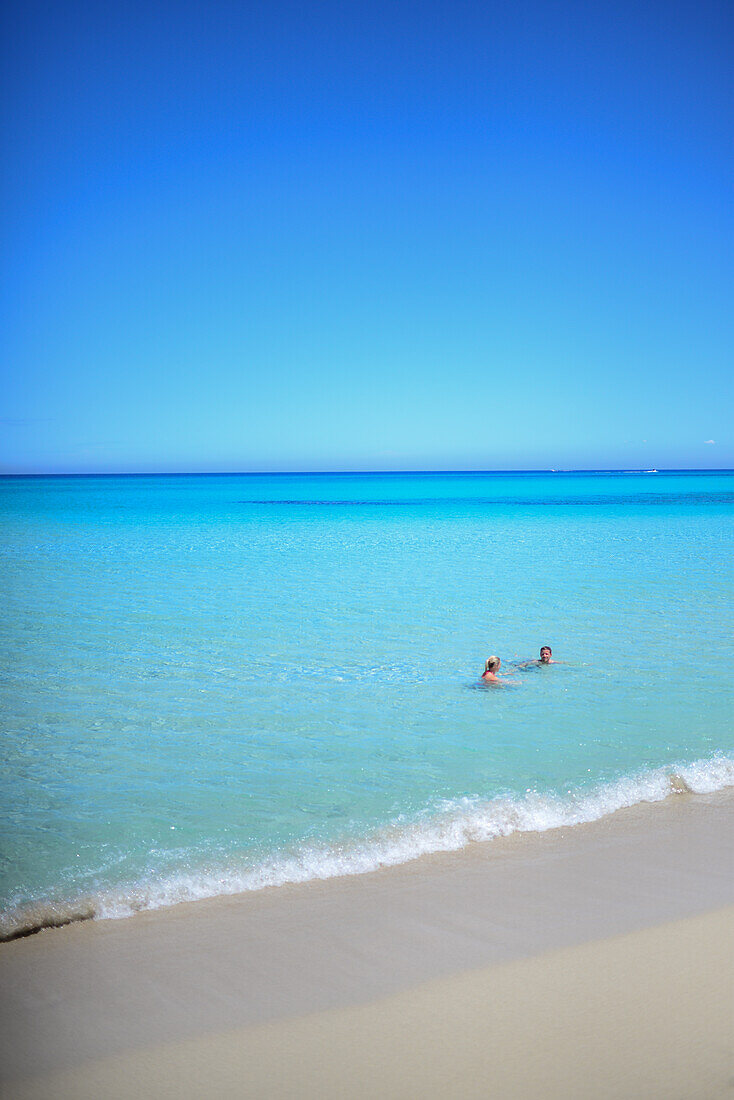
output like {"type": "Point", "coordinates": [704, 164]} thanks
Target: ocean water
{"type": "Point", "coordinates": [218, 683]}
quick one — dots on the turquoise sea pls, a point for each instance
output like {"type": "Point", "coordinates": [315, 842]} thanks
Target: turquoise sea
{"type": "Point", "coordinates": [217, 683]}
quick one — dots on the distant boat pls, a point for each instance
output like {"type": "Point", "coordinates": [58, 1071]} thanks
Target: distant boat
{"type": "Point", "coordinates": [649, 471]}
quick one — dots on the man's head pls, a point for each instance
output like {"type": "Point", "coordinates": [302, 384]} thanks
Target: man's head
{"type": "Point", "coordinates": [546, 654]}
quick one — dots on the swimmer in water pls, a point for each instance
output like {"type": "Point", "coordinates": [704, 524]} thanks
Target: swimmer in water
{"type": "Point", "coordinates": [491, 668]}
{"type": "Point", "coordinates": [546, 658]}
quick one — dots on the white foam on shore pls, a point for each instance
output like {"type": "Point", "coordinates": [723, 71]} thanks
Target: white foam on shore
{"type": "Point", "coordinates": [448, 828]}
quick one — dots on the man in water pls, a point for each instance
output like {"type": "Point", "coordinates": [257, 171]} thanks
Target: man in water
{"type": "Point", "coordinates": [546, 658]}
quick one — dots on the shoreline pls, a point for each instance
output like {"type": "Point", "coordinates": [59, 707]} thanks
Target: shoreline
{"type": "Point", "coordinates": [455, 831]}
{"type": "Point", "coordinates": [111, 993]}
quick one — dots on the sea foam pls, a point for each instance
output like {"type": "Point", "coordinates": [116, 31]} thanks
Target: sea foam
{"type": "Point", "coordinates": [447, 827]}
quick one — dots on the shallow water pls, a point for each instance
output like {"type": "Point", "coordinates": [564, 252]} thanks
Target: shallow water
{"type": "Point", "coordinates": [213, 683]}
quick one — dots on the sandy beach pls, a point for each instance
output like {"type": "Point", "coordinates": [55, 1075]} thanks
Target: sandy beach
{"type": "Point", "coordinates": [588, 961]}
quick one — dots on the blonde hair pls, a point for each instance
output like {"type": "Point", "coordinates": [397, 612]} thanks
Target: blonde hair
{"type": "Point", "coordinates": [491, 664]}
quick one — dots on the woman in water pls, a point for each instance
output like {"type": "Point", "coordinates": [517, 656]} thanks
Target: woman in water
{"type": "Point", "coordinates": [491, 667]}
{"type": "Point", "coordinates": [489, 676]}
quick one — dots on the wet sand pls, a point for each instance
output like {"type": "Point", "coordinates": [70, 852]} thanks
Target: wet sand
{"type": "Point", "coordinates": [588, 961]}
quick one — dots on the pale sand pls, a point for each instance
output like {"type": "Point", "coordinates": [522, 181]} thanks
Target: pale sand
{"type": "Point", "coordinates": [646, 1015]}
{"type": "Point", "coordinates": [589, 962]}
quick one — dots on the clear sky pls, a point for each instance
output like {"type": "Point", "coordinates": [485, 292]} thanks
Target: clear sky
{"type": "Point", "coordinates": [470, 235]}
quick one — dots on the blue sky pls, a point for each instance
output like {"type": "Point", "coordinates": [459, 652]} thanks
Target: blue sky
{"type": "Point", "coordinates": [367, 236]}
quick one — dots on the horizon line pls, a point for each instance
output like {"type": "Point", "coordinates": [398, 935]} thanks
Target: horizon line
{"type": "Point", "coordinates": [371, 473]}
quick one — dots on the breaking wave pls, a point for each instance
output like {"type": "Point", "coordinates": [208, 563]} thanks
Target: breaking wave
{"type": "Point", "coordinates": [448, 827]}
